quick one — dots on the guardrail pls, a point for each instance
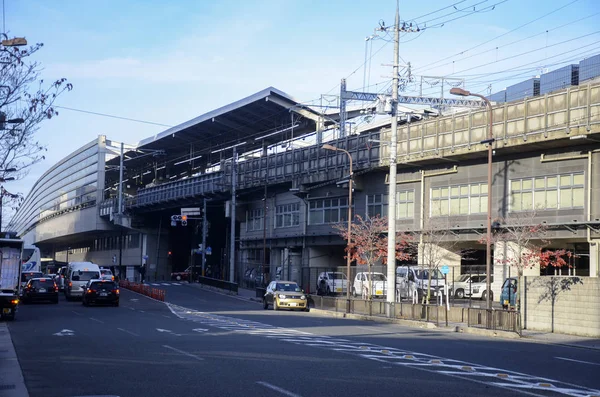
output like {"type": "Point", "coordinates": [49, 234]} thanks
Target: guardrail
{"type": "Point", "coordinates": [154, 293]}
{"type": "Point", "coordinates": [504, 320]}
{"type": "Point", "coordinates": [221, 284]}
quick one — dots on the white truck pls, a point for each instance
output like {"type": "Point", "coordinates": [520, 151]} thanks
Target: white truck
{"type": "Point", "coordinates": [470, 285]}
{"type": "Point", "coordinates": [330, 283]}
{"type": "Point", "coordinates": [411, 280]}
{"type": "Point", "coordinates": [11, 253]}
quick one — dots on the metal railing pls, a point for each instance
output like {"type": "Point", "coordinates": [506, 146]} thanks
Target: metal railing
{"type": "Point", "coordinates": [501, 320]}
{"type": "Point", "coordinates": [216, 283]}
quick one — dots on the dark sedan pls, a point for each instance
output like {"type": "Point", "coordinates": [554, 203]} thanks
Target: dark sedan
{"type": "Point", "coordinates": [40, 289]}
{"type": "Point", "coordinates": [101, 292]}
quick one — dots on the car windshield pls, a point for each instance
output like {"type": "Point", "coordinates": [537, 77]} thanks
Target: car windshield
{"type": "Point", "coordinates": [464, 278]}
{"type": "Point", "coordinates": [292, 287]}
{"type": "Point", "coordinates": [106, 272]}
{"type": "Point", "coordinates": [377, 277]}
{"type": "Point", "coordinates": [28, 276]}
{"type": "Point", "coordinates": [86, 275]}
{"type": "Point", "coordinates": [424, 274]}
{"type": "Point", "coordinates": [338, 276]}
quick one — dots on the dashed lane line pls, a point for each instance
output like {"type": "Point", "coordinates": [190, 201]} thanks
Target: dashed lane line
{"type": "Point", "coordinates": [278, 389]}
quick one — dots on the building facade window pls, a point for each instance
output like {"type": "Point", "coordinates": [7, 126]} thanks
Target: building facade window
{"type": "Point", "coordinates": [377, 204]}
{"type": "Point", "coordinates": [287, 215]}
{"type": "Point", "coordinates": [552, 192]}
{"type": "Point", "coordinates": [254, 219]}
{"type": "Point", "coordinates": [459, 200]}
{"type": "Point", "coordinates": [328, 211]}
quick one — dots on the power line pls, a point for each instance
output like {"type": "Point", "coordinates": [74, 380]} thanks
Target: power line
{"type": "Point", "coordinates": [497, 37]}
{"type": "Point", "coordinates": [113, 117]}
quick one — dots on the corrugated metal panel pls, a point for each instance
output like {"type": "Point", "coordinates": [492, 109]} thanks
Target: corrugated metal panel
{"type": "Point", "coordinates": [499, 97]}
{"type": "Point", "coordinates": [559, 79]}
{"type": "Point", "coordinates": [589, 68]}
{"type": "Point", "coordinates": [522, 90]}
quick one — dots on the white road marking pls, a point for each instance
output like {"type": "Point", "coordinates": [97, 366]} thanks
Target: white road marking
{"type": "Point", "coordinates": [577, 361]}
{"type": "Point", "coordinates": [96, 320]}
{"type": "Point", "coordinates": [79, 314]}
{"type": "Point", "coordinates": [278, 389]}
{"type": "Point", "coordinates": [175, 284]}
{"type": "Point", "coordinates": [200, 329]}
{"type": "Point", "coordinates": [168, 331]}
{"type": "Point", "coordinates": [65, 332]}
{"type": "Point", "coordinates": [134, 299]}
{"type": "Point", "coordinates": [183, 352]}
{"type": "Point", "coordinates": [155, 284]}
{"type": "Point", "coordinates": [164, 315]}
{"type": "Point", "coordinates": [128, 332]}
{"type": "Point", "coordinates": [166, 284]}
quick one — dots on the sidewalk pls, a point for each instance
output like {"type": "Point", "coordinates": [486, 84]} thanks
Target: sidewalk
{"type": "Point", "coordinates": [12, 383]}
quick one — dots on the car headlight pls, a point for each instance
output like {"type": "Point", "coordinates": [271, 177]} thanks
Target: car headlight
{"type": "Point", "coordinates": [281, 296]}
{"type": "Point", "coordinates": [303, 297]}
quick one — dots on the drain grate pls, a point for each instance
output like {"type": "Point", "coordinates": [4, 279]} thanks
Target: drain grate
{"type": "Point", "coordinates": [7, 387]}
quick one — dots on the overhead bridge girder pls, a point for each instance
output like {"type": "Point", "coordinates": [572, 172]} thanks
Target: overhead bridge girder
{"type": "Point", "coordinates": [415, 100]}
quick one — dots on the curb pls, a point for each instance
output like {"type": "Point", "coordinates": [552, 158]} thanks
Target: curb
{"type": "Point", "coordinates": [12, 382]}
{"type": "Point", "coordinates": [363, 317]}
{"type": "Point", "coordinates": [487, 332]}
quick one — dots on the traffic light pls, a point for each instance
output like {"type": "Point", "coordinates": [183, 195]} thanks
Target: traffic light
{"type": "Point", "coordinates": [183, 220]}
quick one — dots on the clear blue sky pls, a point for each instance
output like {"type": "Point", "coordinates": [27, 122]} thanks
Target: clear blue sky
{"type": "Point", "coordinates": [169, 61]}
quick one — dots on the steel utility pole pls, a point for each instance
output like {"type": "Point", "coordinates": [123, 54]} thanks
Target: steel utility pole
{"type": "Point", "coordinates": [232, 237]}
{"type": "Point", "coordinates": [204, 232]}
{"type": "Point", "coordinates": [391, 249]}
{"type": "Point", "coordinates": [120, 201]}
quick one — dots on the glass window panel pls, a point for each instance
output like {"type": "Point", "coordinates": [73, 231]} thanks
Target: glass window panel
{"type": "Point", "coordinates": [483, 188]}
{"type": "Point", "coordinates": [454, 190]}
{"type": "Point", "coordinates": [527, 184]}
{"type": "Point", "coordinates": [435, 193]}
{"type": "Point", "coordinates": [435, 208]}
{"type": "Point", "coordinates": [444, 207]}
{"type": "Point", "coordinates": [315, 217]}
{"type": "Point", "coordinates": [539, 200]}
{"type": "Point", "coordinates": [551, 181]}
{"type": "Point", "coordinates": [475, 205]}
{"type": "Point", "coordinates": [411, 195]}
{"type": "Point", "coordinates": [565, 180]}
{"type": "Point", "coordinates": [454, 206]}
{"type": "Point", "coordinates": [540, 183]}
{"type": "Point", "coordinates": [464, 205]}
{"type": "Point", "coordinates": [410, 210]}
{"type": "Point", "coordinates": [402, 196]}
{"type": "Point", "coordinates": [464, 190]}
{"type": "Point", "coordinates": [578, 179]}
{"type": "Point", "coordinates": [444, 192]}
{"type": "Point", "coordinates": [401, 210]}
{"type": "Point", "coordinates": [566, 198]}
{"type": "Point", "coordinates": [551, 199]}
{"type": "Point", "coordinates": [474, 189]}
{"type": "Point", "coordinates": [384, 198]}
{"type": "Point", "coordinates": [578, 196]}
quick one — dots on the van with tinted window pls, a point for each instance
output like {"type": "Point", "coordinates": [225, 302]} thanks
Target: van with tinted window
{"type": "Point", "coordinates": [78, 274]}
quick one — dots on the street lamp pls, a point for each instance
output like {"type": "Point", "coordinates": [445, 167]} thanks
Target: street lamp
{"type": "Point", "coordinates": [348, 258]}
{"type": "Point", "coordinates": [489, 141]}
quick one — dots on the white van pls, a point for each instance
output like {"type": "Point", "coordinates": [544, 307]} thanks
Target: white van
{"type": "Point", "coordinates": [78, 274]}
{"type": "Point", "coordinates": [411, 279]}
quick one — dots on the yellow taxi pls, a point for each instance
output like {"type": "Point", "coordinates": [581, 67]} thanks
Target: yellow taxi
{"type": "Point", "coordinates": [285, 295]}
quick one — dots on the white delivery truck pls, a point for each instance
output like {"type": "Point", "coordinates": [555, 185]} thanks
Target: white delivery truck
{"type": "Point", "coordinates": [78, 274]}
{"type": "Point", "coordinates": [11, 251]}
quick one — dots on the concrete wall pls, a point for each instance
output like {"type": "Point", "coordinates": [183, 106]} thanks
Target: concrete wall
{"type": "Point", "coordinates": [568, 305]}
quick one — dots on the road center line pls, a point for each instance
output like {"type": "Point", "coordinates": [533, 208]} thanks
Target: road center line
{"type": "Point", "coordinates": [96, 320]}
{"type": "Point", "coordinates": [79, 314]}
{"type": "Point", "coordinates": [278, 389]}
{"type": "Point", "coordinates": [577, 361]}
{"type": "Point", "coordinates": [183, 352]}
{"type": "Point", "coordinates": [128, 332]}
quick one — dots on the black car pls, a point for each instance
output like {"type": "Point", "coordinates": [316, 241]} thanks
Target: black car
{"type": "Point", "coordinates": [40, 289]}
{"type": "Point", "coordinates": [101, 292]}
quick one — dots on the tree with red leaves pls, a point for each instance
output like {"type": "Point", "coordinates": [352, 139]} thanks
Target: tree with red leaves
{"type": "Point", "coordinates": [368, 241]}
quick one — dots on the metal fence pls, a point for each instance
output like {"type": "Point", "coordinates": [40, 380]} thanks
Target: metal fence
{"type": "Point", "coordinates": [504, 320]}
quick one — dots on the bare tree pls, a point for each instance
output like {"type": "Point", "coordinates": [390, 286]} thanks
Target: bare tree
{"type": "Point", "coordinates": [25, 102]}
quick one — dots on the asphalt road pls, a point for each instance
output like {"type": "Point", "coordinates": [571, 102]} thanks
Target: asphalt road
{"type": "Point", "coordinates": [207, 344]}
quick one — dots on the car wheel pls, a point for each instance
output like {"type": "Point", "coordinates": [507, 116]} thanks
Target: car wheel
{"type": "Point", "coordinates": [353, 292]}
{"type": "Point", "coordinates": [178, 278]}
{"type": "Point", "coordinates": [275, 307]}
{"type": "Point", "coordinates": [459, 294]}
{"type": "Point", "coordinates": [484, 296]}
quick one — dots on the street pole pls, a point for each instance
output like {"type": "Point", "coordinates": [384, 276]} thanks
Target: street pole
{"type": "Point", "coordinates": [1, 205]}
{"type": "Point", "coordinates": [391, 248]}
{"type": "Point", "coordinates": [264, 261]}
{"type": "Point", "coordinates": [232, 236]}
{"type": "Point", "coordinates": [120, 210]}
{"type": "Point", "coordinates": [204, 224]}
{"type": "Point", "coordinates": [488, 246]}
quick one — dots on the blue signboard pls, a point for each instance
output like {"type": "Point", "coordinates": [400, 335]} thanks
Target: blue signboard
{"type": "Point", "coordinates": [445, 269]}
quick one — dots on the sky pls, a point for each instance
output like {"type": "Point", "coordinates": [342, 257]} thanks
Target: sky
{"type": "Point", "coordinates": [166, 61]}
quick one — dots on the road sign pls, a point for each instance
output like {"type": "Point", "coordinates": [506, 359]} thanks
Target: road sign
{"type": "Point", "coordinates": [191, 211]}
{"type": "Point", "coordinates": [445, 269]}
{"type": "Point", "coordinates": [114, 259]}
{"type": "Point", "coordinates": [208, 251]}
{"type": "Point", "coordinates": [145, 257]}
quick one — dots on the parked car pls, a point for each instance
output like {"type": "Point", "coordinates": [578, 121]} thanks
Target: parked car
{"type": "Point", "coordinates": [470, 285]}
{"type": "Point", "coordinates": [329, 283]}
{"type": "Point", "coordinates": [40, 289]}
{"type": "Point", "coordinates": [101, 291]}
{"type": "Point", "coordinates": [364, 280]}
{"type": "Point", "coordinates": [508, 294]}
{"type": "Point", "coordinates": [411, 279]}
{"type": "Point", "coordinates": [285, 295]}
{"type": "Point", "coordinates": [184, 275]}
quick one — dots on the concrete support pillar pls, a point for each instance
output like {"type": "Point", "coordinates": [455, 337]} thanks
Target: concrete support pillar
{"type": "Point", "coordinates": [595, 258]}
